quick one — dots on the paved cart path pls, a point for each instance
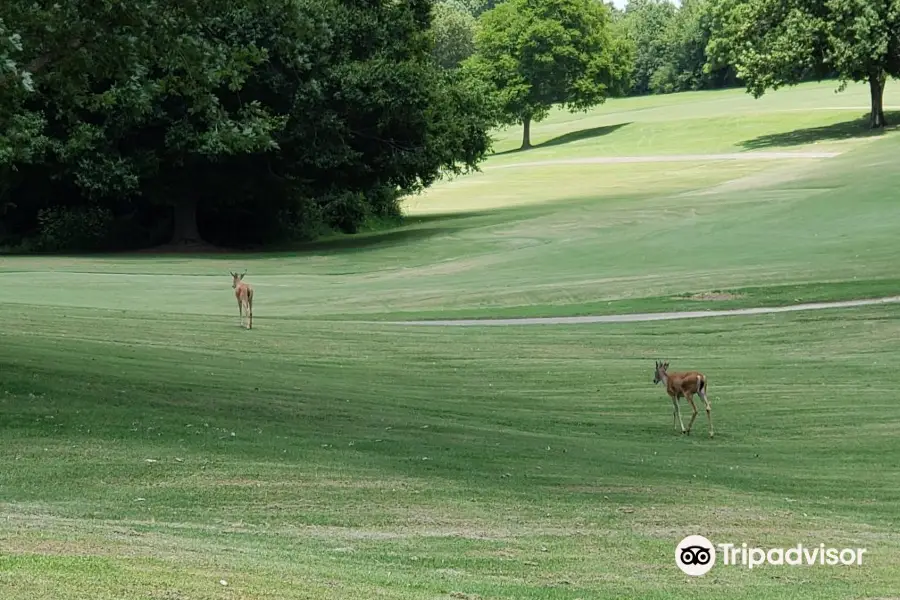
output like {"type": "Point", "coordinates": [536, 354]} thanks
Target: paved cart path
{"type": "Point", "coordinates": [639, 317]}
{"type": "Point", "coordinates": [590, 160]}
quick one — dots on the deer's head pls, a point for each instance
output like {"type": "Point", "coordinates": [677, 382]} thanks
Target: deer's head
{"type": "Point", "coordinates": [236, 279]}
{"type": "Point", "coordinates": [659, 373]}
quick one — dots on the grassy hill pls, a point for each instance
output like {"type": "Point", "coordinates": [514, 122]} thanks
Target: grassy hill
{"type": "Point", "coordinates": [153, 449]}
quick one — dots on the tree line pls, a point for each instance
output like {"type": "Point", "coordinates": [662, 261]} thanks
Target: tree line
{"type": "Point", "coordinates": [129, 124]}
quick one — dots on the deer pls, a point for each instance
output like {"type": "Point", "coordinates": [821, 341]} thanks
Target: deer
{"type": "Point", "coordinates": [244, 294]}
{"type": "Point", "coordinates": [683, 385]}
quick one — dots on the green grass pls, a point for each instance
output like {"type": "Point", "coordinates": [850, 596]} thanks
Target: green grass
{"type": "Point", "coordinates": [426, 462]}
{"type": "Point", "coordinates": [725, 299]}
{"type": "Point", "coordinates": [700, 122]}
{"type": "Point", "coordinates": [151, 448]}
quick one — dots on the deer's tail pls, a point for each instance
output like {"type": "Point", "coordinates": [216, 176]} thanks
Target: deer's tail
{"type": "Point", "coordinates": [701, 384]}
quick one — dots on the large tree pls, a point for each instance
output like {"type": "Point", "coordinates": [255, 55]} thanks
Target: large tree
{"type": "Point", "coordinates": [774, 43]}
{"type": "Point", "coordinates": [240, 115]}
{"type": "Point", "coordinates": [122, 91]}
{"type": "Point", "coordinates": [540, 53]}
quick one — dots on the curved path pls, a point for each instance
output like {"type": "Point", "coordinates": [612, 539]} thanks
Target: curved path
{"type": "Point", "coordinates": [590, 160]}
{"type": "Point", "coordinates": [638, 317]}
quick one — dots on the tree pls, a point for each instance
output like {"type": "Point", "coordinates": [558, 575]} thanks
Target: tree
{"type": "Point", "coordinates": [775, 43]}
{"type": "Point", "coordinates": [238, 118]}
{"type": "Point", "coordinates": [454, 33]}
{"type": "Point", "coordinates": [644, 24]}
{"type": "Point", "coordinates": [127, 90]}
{"type": "Point", "coordinates": [538, 53]}
{"type": "Point", "coordinates": [374, 117]}
{"type": "Point", "coordinates": [21, 139]}
{"type": "Point", "coordinates": [470, 7]}
{"type": "Point", "coordinates": [476, 7]}
{"type": "Point", "coordinates": [683, 53]}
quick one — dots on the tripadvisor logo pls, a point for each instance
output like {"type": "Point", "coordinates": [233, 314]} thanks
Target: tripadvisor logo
{"type": "Point", "coordinates": [695, 555]}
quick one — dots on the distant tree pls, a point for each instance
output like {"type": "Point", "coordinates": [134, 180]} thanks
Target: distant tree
{"type": "Point", "coordinates": [615, 12]}
{"type": "Point", "coordinates": [473, 7]}
{"type": "Point", "coordinates": [539, 53]}
{"type": "Point", "coordinates": [774, 43]}
{"type": "Point", "coordinates": [644, 24]}
{"type": "Point", "coordinates": [683, 53]}
{"type": "Point", "coordinates": [454, 33]}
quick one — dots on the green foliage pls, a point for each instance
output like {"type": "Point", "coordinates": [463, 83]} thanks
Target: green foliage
{"type": "Point", "coordinates": [644, 24]}
{"type": "Point", "coordinates": [473, 7]}
{"type": "Point", "coordinates": [684, 41]}
{"type": "Point", "coordinates": [774, 43]}
{"type": "Point", "coordinates": [231, 113]}
{"type": "Point", "coordinates": [454, 33]}
{"type": "Point", "coordinates": [670, 47]}
{"type": "Point", "coordinates": [83, 228]}
{"type": "Point", "coordinates": [538, 53]}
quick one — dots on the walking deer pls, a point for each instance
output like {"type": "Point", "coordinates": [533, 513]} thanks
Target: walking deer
{"type": "Point", "coordinates": [684, 385]}
{"type": "Point", "coordinates": [244, 294]}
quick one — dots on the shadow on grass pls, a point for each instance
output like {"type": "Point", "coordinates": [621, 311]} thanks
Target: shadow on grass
{"type": "Point", "coordinates": [412, 229]}
{"type": "Point", "coordinates": [857, 128]}
{"type": "Point", "coordinates": [584, 134]}
{"type": "Point", "coordinates": [370, 241]}
{"type": "Point", "coordinates": [442, 217]}
{"type": "Point", "coordinates": [568, 138]}
{"type": "Point", "coordinates": [422, 227]}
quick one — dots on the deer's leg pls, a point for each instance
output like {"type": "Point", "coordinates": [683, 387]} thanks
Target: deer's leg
{"type": "Point", "coordinates": [678, 412]}
{"type": "Point", "coordinates": [693, 408]}
{"type": "Point", "coordinates": [708, 412]}
{"type": "Point", "coordinates": [250, 309]}
{"type": "Point", "coordinates": [675, 415]}
{"type": "Point", "coordinates": [240, 312]}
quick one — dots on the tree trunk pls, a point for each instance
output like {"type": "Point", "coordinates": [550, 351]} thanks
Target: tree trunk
{"type": "Point", "coordinates": [526, 135]}
{"type": "Point", "coordinates": [185, 230]}
{"type": "Point", "coordinates": [876, 89]}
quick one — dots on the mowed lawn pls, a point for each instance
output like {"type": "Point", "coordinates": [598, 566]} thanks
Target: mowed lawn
{"type": "Point", "coordinates": [153, 449]}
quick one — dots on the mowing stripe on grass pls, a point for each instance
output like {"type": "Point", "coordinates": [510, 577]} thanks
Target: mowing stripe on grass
{"type": "Point", "coordinates": [660, 316]}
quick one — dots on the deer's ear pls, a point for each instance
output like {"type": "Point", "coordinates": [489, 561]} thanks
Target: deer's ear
{"type": "Point", "coordinates": [242, 276]}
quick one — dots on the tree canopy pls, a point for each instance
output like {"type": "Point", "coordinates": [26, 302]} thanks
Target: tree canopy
{"type": "Point", "coordinates": [669, 44]}
{"type": "Point", "coordinates": [540, 53]}
{"type": "Point", "coordinates": [643, 23]}
{"type": "Point", "coordinates": [454, 33]}
{"type": "Point", "coordinates": [129, 122]}
{"type": "Point", "coordinates": [773, 43]}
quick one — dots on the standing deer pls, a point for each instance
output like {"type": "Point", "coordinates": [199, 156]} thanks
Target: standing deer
{"type": "Point", "coordinates": [244, 294]}
{"type": "Point", "coordinates": [684, 385]}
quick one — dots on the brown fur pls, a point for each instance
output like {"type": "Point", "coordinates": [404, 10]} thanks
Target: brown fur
{"type": "Point", "coordinates": [684, 385]}
{"type": "Point", "coordinates": [244, 294]}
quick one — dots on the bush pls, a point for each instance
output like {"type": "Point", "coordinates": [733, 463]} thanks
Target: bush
{"type": "Point", "coordinates": [345, 211]}
{"type": "Point", "coordinates": [301, 223]}
{"type": "Point", "coordinates": [73, 229]}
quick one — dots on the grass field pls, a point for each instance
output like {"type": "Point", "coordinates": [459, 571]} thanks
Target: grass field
{"type": "Point", "coordinates": [153, 449]}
